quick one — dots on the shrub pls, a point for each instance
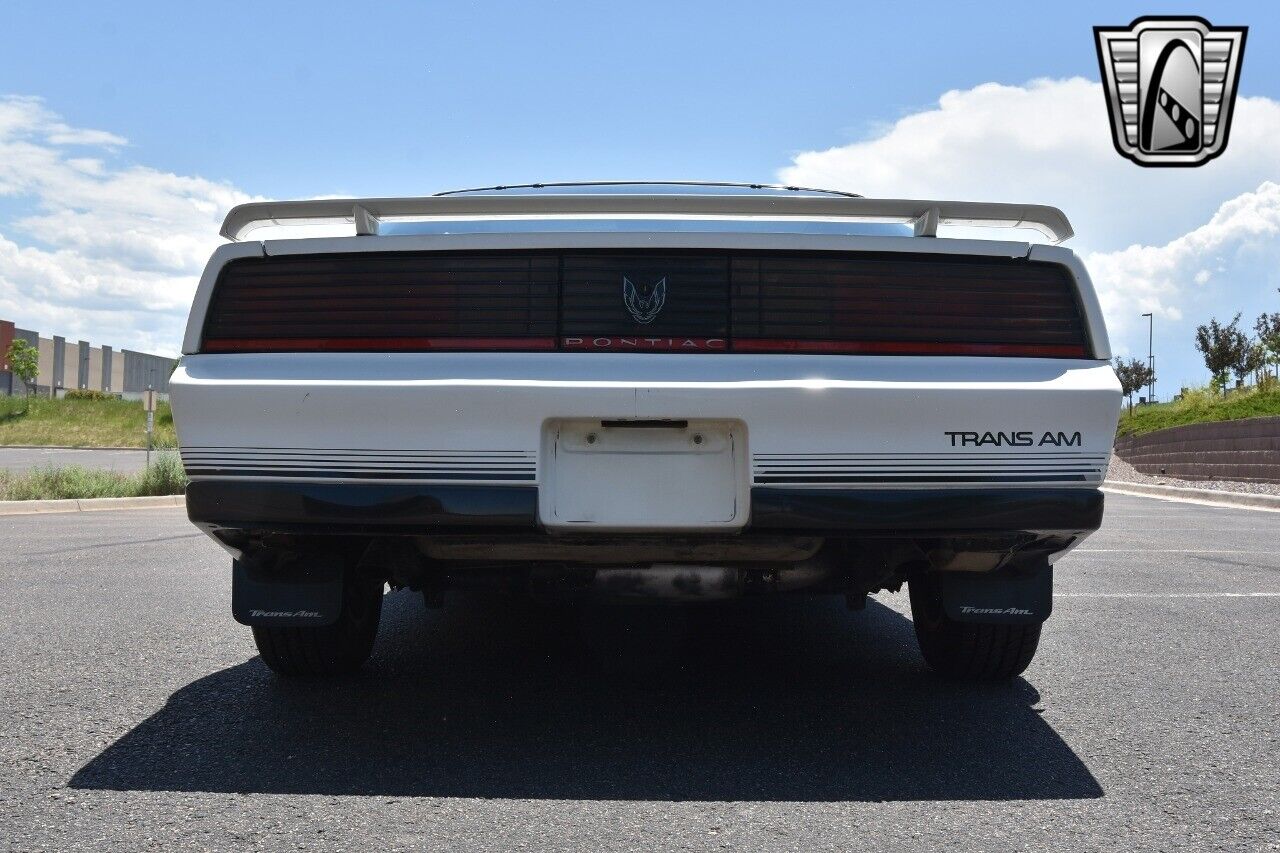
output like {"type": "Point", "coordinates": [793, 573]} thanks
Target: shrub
{"type": "Point", "coordinates": [12, 407]}
{"type": "Point", "coordinates": [163, 477]}
{"type": "Point", "coordinates": [88, 394]}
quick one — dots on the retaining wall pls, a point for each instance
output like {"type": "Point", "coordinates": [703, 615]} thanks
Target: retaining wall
{"type": "Point", "coordinates": [1247, 450]}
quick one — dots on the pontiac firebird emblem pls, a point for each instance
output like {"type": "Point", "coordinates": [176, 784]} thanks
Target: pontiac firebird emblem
{"type": "Point", "coordinates": [1171, 86]}
{"type": "Point", "coordinates": [644, 307]}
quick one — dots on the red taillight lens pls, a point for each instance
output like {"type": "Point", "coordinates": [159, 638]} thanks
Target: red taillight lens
{"type": "Point", "coordinates": [377, 344]}
{"type": "Point", "coordinates": [905, 305]}
{"type": "Point", "coordinates": [385, 303]}
{"type": "Point", "coordinates": [910, 348]}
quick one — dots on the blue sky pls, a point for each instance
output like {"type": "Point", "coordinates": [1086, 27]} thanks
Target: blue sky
{"type": "Point", "coordinates": [301, 99]}
{"type": "Point", "coordinates": [394, 97]}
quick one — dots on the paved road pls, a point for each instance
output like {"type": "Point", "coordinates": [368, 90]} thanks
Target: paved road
{"type": "Point", "coordinates": [135, 714]}
{"type": "Point", "coordinates": [26, 458]}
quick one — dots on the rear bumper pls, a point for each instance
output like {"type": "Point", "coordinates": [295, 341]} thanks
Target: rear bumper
{"type": "Point", "coordinates": [935, 451]}
{"type": "Point", "coordinates": [492, 418]}
{"type": "Point", "coordinates": [1045, 515]}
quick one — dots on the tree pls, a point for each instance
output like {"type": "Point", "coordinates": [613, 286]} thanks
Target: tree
{"type": "Point", "coordinates": [1268, 329]}
{"type": "Point", "coordinates": [24, 362]}
{"type": "Point", "coordinates": [1255, 359]}
{"type": "Point", "coordinates": [1224, 348]}
{"type": "Point", "coordinates": [1133, 374]}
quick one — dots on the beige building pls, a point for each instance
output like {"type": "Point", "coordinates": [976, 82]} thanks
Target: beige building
{"type": "Point", "coordinates": [70, 365]}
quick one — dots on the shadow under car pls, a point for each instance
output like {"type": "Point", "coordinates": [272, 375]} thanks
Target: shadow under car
{"type": "Point", "coordinates": [765, 700]}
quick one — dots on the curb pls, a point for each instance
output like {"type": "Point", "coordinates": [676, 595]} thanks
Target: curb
{"type": "Point", "coordinates": [1209, 497]}
{"type": "Point", "coordinates": [89, 504]}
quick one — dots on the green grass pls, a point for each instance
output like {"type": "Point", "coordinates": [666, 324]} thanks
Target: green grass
{"type": "Point", "coordinates": [82, 423]}
{"type": "Point", "coordinates": [163, 477]}
{"type": "Point", "coordinates": [1199, 406]}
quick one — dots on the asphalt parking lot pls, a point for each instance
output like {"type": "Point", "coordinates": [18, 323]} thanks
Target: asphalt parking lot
{"type": "Point", "coordinates": [19, 459]}
{"type": "Point", "coordinates": [136, 715]}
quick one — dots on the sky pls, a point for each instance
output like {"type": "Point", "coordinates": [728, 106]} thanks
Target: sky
{"type": "Point", "coordinates": [127, 130]}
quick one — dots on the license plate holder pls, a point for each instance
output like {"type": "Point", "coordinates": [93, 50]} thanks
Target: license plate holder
{"type": "Point", "coordinates": [644, 475]}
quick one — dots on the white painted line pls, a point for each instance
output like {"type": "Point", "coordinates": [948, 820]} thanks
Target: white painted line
{"type": "Point", "coordinates": [1164, 551]}
{"type": "Point", "coordinates": [1166, 595]}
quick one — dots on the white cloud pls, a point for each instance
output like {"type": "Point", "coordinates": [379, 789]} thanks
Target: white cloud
{"type": "Point", "coordinates": [103, 301]}
{"type": "Point", "coordinates": [1047, 142]}
{"type": "Point", "coordinates": [1182, 243]}
{"type": "Point", "coordinates": [1241, 240]}
{"type": "Point", "coordinates": [105, 251]}
{"type": "Point", "coordinates": [60, 134]}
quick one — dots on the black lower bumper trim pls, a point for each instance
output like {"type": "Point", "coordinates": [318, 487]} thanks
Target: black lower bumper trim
{"type": "Point", "coordinates": [392, 508]}
{"type": "Point", "coordinates": [403, 509]}
{"type": "Point", "coordinates": [927, 511]}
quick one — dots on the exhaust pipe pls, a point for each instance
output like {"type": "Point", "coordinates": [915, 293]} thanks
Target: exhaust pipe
{"type": "Point", "coordinates": [672, 582]}
{"type": "Point", "coordinates": [669, 582]}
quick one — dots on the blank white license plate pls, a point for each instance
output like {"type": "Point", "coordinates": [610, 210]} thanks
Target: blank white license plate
{"type": "Point", "coordinates": [609, 475]}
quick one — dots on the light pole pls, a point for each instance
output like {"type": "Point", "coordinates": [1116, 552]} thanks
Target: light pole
{"type": "Point", "coordinates": [1151, 359]}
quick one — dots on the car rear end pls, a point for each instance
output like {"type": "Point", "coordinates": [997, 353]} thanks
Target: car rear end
{"type": "Point", "coordinates": [662, 413]}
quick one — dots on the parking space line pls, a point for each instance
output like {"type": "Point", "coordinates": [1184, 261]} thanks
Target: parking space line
{"type": "Point", "coordinates": [1167, 551]}
{"type": "Point", "coordinates": [1166, 595]}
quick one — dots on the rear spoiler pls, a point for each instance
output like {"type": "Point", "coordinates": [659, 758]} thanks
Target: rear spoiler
{"type": "Point", "coordinates": [925, 216]}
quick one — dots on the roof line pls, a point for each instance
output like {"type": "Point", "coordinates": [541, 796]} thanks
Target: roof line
{"type": "Point", "coordinates": [728, 184]}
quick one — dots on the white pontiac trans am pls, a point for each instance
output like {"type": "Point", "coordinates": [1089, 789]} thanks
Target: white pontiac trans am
{"type": "Point", "coordinates": [661, 392]}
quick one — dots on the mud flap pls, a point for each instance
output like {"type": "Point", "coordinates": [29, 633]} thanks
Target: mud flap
{"type": "Point", "coordinates": [297, 593]}
{"type": "Point", "coordinates": [1022, 597]}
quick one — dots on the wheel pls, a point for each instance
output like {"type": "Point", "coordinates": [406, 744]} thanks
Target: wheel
{"type": "Point", "coordinates": [335, 649]}
{"type": "Point", "coordinates": [966, 650]}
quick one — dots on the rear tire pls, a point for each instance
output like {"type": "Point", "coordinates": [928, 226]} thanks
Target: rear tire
{"type": "Point", "coordinates": [964, 650]}
{"type": "Point", "coordinates": [326, 650]}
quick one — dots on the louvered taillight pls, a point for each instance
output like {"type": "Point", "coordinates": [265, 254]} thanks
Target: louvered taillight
{"type": "Point", "coordinates": [607, 301]}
